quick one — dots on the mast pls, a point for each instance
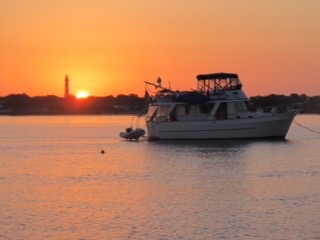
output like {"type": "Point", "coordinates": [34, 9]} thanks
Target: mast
{"type": "Point", "coordinates": [159, 81]}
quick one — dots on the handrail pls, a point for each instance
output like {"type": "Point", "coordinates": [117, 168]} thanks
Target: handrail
{"type": "Point", "coordinates": [285, 108]}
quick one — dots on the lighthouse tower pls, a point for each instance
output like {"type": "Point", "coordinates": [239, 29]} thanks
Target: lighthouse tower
{"type": "Point", "coordinates": [66, 87]}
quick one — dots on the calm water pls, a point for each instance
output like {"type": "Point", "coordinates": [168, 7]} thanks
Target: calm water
{"type": "Point", "coordinates": [55, 183]}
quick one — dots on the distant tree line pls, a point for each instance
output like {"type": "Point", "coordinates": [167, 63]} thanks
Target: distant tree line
{"type": "Point", "coordinates": [24, 104]}
{"type": "Point", "coordinates": [312, 104]}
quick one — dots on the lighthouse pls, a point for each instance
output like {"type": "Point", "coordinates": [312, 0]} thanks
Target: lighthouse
{"type": "Point", "coordinates": [66, 87]}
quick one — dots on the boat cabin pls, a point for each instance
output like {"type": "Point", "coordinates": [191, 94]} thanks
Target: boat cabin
{"type": "Point", "coordinates": [219, 97]}
{"type": "Point", "coordinates": [210, 111]}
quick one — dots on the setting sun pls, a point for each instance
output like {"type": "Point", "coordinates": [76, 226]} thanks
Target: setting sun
{"type": "Point", "coordinates": [82, 94]}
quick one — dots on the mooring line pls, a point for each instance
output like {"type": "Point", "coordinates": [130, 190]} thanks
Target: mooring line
{"type": "Point", "coordinates": [306, 127]}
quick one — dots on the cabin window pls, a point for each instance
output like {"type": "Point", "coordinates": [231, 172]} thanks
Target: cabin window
{"type": "Point", "coordinates": [187, 109]}
{"type": "Point", "coordinates": [162, 110]}
{"type": "Point", "coordinates": [151, 112]}
{"type": "Point", "coordinates": [240, 107]}
{"type": "Point", "coordinates": [180, 110]}
{"type": "Point", "coordinates": [222, 112]}
{"type": "Point", "coordinates": [191, 109]}
{"type": "Point", "coordinates": [206, 108]}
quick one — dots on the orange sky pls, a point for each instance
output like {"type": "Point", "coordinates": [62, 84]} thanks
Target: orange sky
{"type": "Point", "coordinates": [112, 47]}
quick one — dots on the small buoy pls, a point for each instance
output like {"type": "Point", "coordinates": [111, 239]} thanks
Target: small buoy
{"type": "Point", "coordinates": [102, 151]}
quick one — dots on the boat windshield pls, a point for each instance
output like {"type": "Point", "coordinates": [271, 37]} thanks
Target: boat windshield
{"type": "Point", "coordinates": [162, 110]}
{"type": "Point", "coordinates": [151, 112]}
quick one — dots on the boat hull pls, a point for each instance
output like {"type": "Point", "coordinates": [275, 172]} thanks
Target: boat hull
{"type": "Point", "coordinates": [275, 126]}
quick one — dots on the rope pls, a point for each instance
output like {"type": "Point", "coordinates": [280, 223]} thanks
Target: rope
{"type": "Point", "coordinates": [311, 130]}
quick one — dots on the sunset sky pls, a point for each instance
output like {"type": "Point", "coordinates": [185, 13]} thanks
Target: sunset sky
{"type": "Point", "coordinates": [110, 47]}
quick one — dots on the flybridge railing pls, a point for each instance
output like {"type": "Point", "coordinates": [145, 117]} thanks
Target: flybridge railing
{"type": "Point", "coordinates": [285, 108]}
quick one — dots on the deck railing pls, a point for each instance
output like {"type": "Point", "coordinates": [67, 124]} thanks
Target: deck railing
{"type": "Point", "coordinates": [285, 108]}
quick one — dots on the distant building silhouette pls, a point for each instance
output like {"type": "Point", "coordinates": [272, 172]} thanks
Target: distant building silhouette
{"type": "Point", "coordinates": [66, 87]}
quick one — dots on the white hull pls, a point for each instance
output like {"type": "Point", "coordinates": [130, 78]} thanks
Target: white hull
{"type": "Point", "coordinates": [275, 126]}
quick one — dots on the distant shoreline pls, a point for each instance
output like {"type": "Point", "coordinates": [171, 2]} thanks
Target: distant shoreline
{"type": "Point", "coordinates": [23, 105]}
{"type": "Point", "coordinates": [69, 114]}
{"type": "Point", "coordinates": [100, 114]}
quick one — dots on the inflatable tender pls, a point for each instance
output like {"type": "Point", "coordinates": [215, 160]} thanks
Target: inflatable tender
{"type": "Point", "coordinates": [130, 134]}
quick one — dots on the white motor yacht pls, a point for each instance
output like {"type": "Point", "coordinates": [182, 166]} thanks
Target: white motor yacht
{"type": "Point", "coordinates": [218, 109]}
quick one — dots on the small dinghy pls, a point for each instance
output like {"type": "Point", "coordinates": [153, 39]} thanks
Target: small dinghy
{"type": "Point", "coordinates": [130, 134]}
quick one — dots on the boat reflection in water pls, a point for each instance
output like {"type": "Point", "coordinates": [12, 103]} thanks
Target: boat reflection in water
{"type": "Point", "coordinates": [219, 109]}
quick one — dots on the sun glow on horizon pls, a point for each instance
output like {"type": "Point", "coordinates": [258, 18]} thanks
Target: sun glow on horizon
{"type": "Point", "coordinates": [276, 49]}
{"type": "Point", "coordinates": [82, 94]}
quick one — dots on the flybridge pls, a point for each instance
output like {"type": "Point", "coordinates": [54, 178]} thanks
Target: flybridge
{"type": "Point", "coordinates": [215, 83]}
